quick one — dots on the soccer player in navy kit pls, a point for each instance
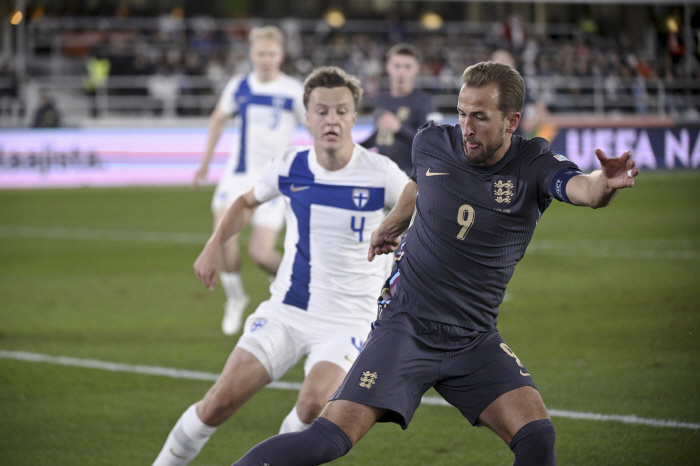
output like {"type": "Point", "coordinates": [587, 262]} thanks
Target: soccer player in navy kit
{"type": "Point", "coordinates": [476, 196]}
{"type": "Point", "coordinates": [401, 110]}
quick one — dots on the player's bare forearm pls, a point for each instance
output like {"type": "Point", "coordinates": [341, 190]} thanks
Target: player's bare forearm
{"type": "Point", "coordinates": [235, 219]}
{"type": "Point", "coordinates": [385, 239]}
{"type": "Point", "coordinates": [216, 127]}
{"type": "Point", "coordinates": [208, 264]}
{"type": "Point", "coordinates": [599, 188]}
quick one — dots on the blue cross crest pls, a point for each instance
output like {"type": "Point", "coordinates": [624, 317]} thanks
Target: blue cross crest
{"type": "Point", "coordinates": [360, 197]}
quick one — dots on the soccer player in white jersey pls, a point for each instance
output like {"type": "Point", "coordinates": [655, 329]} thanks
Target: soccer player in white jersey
{"type": "Point", "coordinates": [269, 107]}
{"type": "Point", "coordinates": [323, 298]}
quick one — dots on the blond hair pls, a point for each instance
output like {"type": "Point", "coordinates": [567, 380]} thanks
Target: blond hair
{"type": "Point", "coordinates": [266, 33]}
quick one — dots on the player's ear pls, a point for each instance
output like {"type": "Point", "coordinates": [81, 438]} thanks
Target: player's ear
{"type": "Point", "coordinates": [513, 122]}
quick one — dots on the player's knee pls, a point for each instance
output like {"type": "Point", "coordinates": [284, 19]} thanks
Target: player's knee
{"type": "Point", "coordinates": [533, 444]}
{"type": "Point", "coordinates": [309, 407]}
{"type": "Point", "coordinates": [217, 406]}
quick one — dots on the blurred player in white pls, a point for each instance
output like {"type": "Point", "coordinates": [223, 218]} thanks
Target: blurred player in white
{"type": "Point", "coordinates": [269, 107]}
{"type": "Point", "coordinates": [324, 296]}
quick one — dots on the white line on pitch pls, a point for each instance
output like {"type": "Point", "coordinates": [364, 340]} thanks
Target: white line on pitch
{"type": "Point", "coordinates": [194, 375]}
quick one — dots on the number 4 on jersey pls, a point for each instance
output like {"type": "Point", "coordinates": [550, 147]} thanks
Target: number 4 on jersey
{"type": "Point", "coordinates": [358, 229]}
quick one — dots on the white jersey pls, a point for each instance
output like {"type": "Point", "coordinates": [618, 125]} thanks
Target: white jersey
{"type": "Point", "coordinates": [330, 216]}
{"type": "Point", "coordinates": [267, 115]}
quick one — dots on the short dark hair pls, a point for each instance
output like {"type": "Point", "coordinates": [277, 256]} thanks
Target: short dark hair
{"type": "Point", "coordinates": [511, 87]}
{"type": "Point", "coordinates": [332, 76]}
{"type": "Point", "coordinates": [403, 49]}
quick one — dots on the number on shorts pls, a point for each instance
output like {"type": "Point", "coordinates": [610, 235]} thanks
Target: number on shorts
{"type": "Point", "coordinates": [510, 353]}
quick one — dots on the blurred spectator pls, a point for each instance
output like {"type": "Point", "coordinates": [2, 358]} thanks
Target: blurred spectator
{"type": "Point", "coordinates": [47, 115]}
{"type": "Point", "coordinates": [534, 111]}
{"type": "Point", "coordinates": [98, 69]}
{"type": "Point", "coordinates": [164, 87]}
{"type": "Point", "coordinates": [565, 70]}
{"type": "Point", "coordinates": [514, 33]}
{"type": "Point", "coordinates": [9, 91]}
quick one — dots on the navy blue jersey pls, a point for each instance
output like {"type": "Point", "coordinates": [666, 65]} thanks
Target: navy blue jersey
{"type": "Point", "coordinates": [413, 111]}
{"type": "Point", "coordinates": [471, 226]}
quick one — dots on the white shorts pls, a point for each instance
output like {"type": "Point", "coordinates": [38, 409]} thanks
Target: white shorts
{"type": "Point", "coordinates": [230, 187]}
{"type": "Point", "coordinates": [279, 335]}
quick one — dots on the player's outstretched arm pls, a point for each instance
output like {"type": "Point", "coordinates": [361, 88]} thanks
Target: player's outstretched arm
{"type": "Point", "coordinates": [208, 264]}
{"type": "Point", "coordinates": [385, 239]}
{"type": "Point", "coordinates": [217, 121]}
{"type": "Point", "coordinates": [599, 188]}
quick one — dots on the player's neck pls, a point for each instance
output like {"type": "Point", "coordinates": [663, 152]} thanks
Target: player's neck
{"type": "Point", "coordinates": [335, 159]}
{"type": "Point", "coordinates": [267, 77]}
{"type": "Point", "coordinates": [501, 152]}
{"type": "Point", "coordinates": [401, 91]}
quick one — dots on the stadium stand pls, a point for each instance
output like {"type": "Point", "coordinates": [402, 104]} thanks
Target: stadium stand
{"type": "Point", "coordinates": [172, 66]}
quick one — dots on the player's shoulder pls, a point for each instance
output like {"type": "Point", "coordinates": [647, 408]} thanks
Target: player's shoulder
{"type": "Point", "coordinates": [437, 135]}
{"type": "Point", "coordinates": [374, 161]}
{"type": "Point", "coordinates": [422, 96]}
{"type": "Point", "coordinates": [536, 149]}
{"type": "Point", "coordinates": [293, 151]}
{"type": "Point", "coordinates": [537, 152]}
{"type": "Point", "coordinates": [234, 83]}
{"type": "Point", "coordinates": [290, 81]}
{"type": "Point", "coordinates": [535, 146]}
{"type": "Point", "coordinates": [282, 163]}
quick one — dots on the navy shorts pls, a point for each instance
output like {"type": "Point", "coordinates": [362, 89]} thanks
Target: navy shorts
{"type": "Point", "coordinates": [404, 357]}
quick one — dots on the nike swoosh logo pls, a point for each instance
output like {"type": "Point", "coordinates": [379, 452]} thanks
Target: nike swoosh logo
{"type": "Point", "coordinates": [296, 189]}
{"type": "Point", "coordinates": [524, 374]}
{"type": "Point", "coordinates": [351, 361]}
{"type": "Point", "coordinates": [177, 456]}
{"type": "Point", "coordinates": [429, 173]}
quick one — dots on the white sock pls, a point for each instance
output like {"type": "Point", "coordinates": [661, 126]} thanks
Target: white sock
{"type": "Point", "coordinates": [185, 441]}
{"type": "Point", "coordinates": [292, 423]}
{"type": "Point", "coordinates": [232, 284]}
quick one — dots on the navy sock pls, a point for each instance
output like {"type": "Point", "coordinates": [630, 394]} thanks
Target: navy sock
{"type": "Point", "coordinates": [533, 444]}
{"type": "Point", "coordinates": [320, 443]}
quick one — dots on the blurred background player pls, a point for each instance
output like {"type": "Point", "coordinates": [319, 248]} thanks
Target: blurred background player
{"type": "Point", "coordinates": [322, 302]}
{"type": "Point", "coordinates": [269, 107]}
{"type": "Point", "coordinates": [535, 113]}
{"type": "Point", "coordinates": [401, 110]}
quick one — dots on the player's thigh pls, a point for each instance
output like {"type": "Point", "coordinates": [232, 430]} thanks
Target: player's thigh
{"type": "Point", "coordinates": [320, 383]}
{"type": "Point", "coordinates": [512, 410]}
{"type": "Point", "coordinates": [269, 335]}
{"type": "Point", "coordinates": [270, 215]}
{"type": "Point", "coordinates": [262, 242]}
{"type": "Point", "coordinates": [230, 186]}
{"type": "Point", "coordinates": [393, 371]}
{"type": "Point", "coordinates": [475, 377]}
{"type": "Point", "coordinates": [338, 342]}
{"type": "Point", "coordinates": [243, 376]}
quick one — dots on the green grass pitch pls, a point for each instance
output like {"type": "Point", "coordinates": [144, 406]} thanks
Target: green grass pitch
{"type": "Point", "coordinates": [604, 310]}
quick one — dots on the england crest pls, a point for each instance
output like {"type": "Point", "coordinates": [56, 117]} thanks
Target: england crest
{"type": "Point", "coordinates": [360, 197]}
{"type": "Point", "coordinates": [503, 189]}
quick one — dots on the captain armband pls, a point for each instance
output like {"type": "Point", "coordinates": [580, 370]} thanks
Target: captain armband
{"type": "Point", "coordinates": [559, 182]}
